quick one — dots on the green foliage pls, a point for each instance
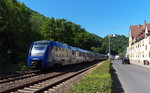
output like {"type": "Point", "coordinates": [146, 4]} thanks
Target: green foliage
{"type": "Point", "coordinates": [15, 31]}
{"type": "Point", "coordinates": [20, 26]}
{"type": "Point", "coordinates": [118, 45]}
{"type": "Point", "coordinates": [24, 68]}
{"type": "Point", "coordinates": [15, 28]}
{"type": "Point", "coordinates": [99, 81]}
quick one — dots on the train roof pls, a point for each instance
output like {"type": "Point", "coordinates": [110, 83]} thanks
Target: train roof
{"type": "Point", "coordinates": [59, 44]}
{"type": "Point", "coordinates": [63, 45]}
{"type": "Point", "coordinates": [41, 41]}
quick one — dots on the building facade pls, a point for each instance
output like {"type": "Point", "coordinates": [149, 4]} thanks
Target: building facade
{"type": "Point", "coordinates": [138, 50]}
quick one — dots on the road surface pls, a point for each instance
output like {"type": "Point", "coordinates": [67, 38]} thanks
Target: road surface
{"type": "Point", "coordinates": [131, 78]}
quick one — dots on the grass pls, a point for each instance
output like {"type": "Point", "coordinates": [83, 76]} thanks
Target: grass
{"type": "Point", "coordinates": [98, 81]}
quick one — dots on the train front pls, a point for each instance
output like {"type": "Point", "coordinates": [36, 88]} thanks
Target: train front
{"type": "Point", "coordinates": [37, 56]}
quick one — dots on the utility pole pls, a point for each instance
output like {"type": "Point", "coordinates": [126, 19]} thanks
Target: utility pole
{"type": "Point", "coordinates": [109, 36]}
{"type": "Point", "coordinates": [109, 47]}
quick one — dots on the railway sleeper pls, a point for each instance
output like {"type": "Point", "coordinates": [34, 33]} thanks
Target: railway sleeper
{"type": "Point", "coordinates": [40, 85]}
{"type": "Point", "coordinates": [24, 91]}
{"type": "Point", "coordinates": [46, 84]}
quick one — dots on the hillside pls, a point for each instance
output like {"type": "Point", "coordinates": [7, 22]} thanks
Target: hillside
{"type": "Point", "coordinates": [20, 26]}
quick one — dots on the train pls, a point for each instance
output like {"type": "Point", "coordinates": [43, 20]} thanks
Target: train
{"type": "Point", "coordinates": [48, 54]}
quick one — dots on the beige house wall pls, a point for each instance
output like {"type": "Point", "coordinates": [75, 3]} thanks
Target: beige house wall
{"type": "Point", "coordinates": [140, 50]}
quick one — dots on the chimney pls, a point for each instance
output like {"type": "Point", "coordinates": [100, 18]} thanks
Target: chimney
{"type": "Point", "coordinates": [144, 24]}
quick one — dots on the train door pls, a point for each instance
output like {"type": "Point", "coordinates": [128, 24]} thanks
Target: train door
{"type": "Point", "coordinates": [50, 54]}
{"type": "Point", "coordinates": [69, 56]}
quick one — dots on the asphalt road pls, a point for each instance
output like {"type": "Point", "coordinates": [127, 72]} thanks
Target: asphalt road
{"type": "Point", "coordinates": [130, 78]}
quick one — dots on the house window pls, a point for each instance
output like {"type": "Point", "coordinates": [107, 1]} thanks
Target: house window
{"type": "Point", "coordinates": [149, 40]}
{"type": "Point", "coordinates": [145, 47]}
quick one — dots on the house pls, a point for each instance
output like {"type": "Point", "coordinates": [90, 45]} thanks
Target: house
{"type": "Point", "coordinates": [138, 50]}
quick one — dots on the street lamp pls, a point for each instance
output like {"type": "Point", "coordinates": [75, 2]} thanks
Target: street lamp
{"type": "Point", "coordinates": [109, 48]}
{"type": "Point", "coordinates": [109, 39]}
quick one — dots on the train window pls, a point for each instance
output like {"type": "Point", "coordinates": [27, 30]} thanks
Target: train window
{"type": "Point", "coordinates": [73, 52]}
{"type": "Point", "coordinates": [77, 53]}
{"type": "Point", "coordinates": [80, 54]}
{"type": "Point", "coordinates": [57, 49]}
{"type": "Point", "coordinates": [38, 49]}
{"type": "Point", "coordinates": [84, 54]}
{"type": "Point", "coordinates": [66, 52]}
{"type": "Point", "coordinates": [88, 54]}
{"type": "Point", "coordinates": [63, 49]}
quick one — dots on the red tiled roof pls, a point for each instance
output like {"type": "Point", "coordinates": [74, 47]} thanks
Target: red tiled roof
{"type": "Point", "coordinates": [141, 36]}
{"type": "Point", "coordinates": [136, 30]}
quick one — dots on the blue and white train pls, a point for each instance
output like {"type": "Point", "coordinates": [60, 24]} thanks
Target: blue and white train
{"type": "Point", "coordinates": [44, 54]}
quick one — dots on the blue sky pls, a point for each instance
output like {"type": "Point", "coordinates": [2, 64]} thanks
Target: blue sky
{"type": "Point", "coordinates": [100, 17]}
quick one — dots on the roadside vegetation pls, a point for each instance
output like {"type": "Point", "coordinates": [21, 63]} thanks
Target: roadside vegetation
{"type": "Point", "coordinates": [98, 81]}
{"type": "Point", "coordinates": [20, 26]}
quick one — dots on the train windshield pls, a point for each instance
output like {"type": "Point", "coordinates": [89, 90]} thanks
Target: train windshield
{"type": "Point", "coordinates": [38, 49]}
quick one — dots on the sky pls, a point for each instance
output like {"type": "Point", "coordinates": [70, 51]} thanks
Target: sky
{"type": "Point", "coordinates": [101, 17]}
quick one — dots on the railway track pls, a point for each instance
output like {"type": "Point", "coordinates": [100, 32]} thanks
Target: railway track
{"type": "Point", "coordinates": [42, 83]}
{"type": "Point", "coordinates": [19, 76]}
{"type": "Point", "coordinates": [40, 87]}
{"type": "Point", "coordinates": [14, 85]}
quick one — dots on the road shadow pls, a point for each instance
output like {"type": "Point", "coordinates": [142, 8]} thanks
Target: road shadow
{"type": "Point", "coordinates": [116, 85]}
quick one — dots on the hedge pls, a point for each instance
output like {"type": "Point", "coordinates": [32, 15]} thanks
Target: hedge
{"type": "Point", "coordinates": [98, 81]}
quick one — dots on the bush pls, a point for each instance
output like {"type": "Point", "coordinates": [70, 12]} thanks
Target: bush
{"type": "Point", "coordinates": [99, 81]}
{"type": "Point", "coordinates": [24, 68]}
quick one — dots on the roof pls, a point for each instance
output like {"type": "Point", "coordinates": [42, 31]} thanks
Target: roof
{"type": "Point", "coordinates": [59, 44]}
{"type": "Point", "coordinates": [41, 41]}
{"type": "Point", "coordinates": [138, 31]}
{"type": "Point", "coordinates": [135, 30]}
